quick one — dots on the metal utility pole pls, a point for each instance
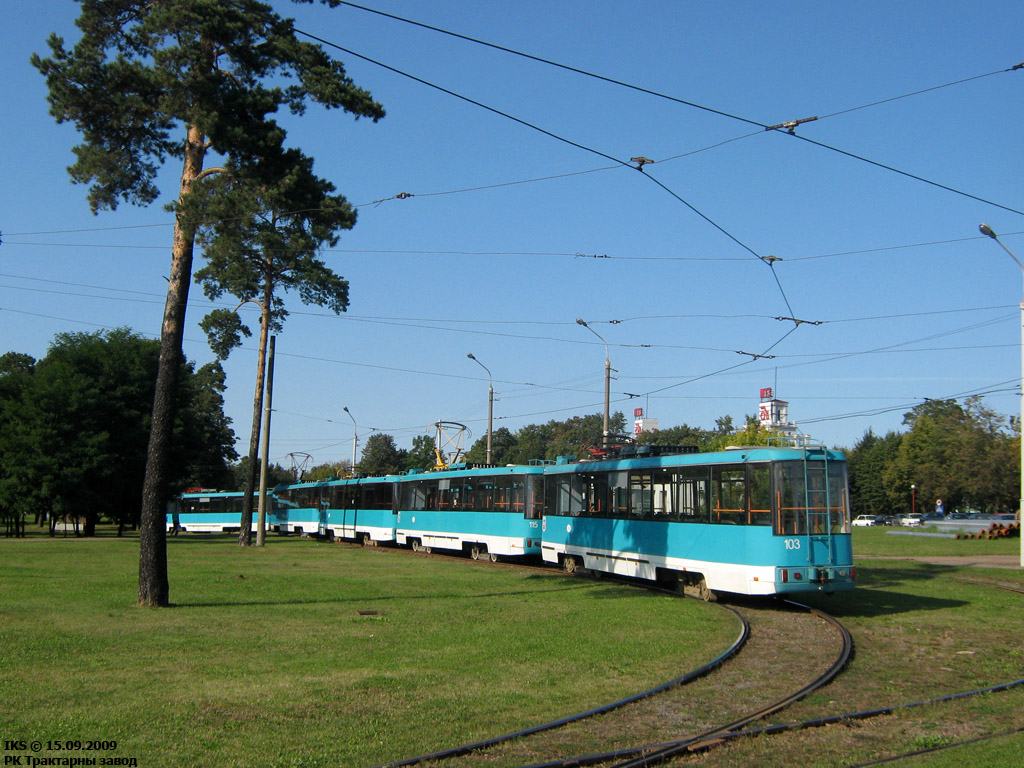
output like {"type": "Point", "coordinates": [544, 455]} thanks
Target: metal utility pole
{"type": "Point", "coordinates": [988, 231]}
{"type": "Point", "coordinates": [607, 381]}
{"type": "Point", "coordinates": [490, 403]}
{"type": "Point", "coordinates": [355, 438]}
{"type": "Point", "coordinates": [261, 527]}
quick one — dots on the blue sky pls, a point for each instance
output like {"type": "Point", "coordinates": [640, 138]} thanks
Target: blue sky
{"type": "Point", "coordinates": [492, 254]}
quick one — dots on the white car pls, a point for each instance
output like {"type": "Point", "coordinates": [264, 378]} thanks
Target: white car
{"type": "Point", "coordinates": [912, 520]}
{"type": "Point", "coordinates": [861, 520]}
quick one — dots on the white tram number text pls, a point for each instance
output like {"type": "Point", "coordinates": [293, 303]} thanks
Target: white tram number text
{"type": "Point", "coordinates": [792, 543]}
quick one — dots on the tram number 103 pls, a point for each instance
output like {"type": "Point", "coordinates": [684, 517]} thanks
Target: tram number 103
{"type": "Point", "coordinates": [792, 543]}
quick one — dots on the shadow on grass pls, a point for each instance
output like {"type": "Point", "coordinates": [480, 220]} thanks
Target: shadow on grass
{"type": "Point", "coordinates": [368, 601]}
{"type": "Point", "coordinates": [878, 593]}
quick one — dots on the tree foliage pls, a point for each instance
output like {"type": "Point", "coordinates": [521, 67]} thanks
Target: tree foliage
{"type": "Point", "coordinates": [239, 473]}
{"type": "Point", "coordinates": [421, 455]}
{"type": "Point", "coordinates": [966, 455]}
{"type": "Point", "coordinates": [262, 240]}
{"type": "Point", "coordinates": [381, 456]}
{"type": "Point", "coordinates": [73, 428]}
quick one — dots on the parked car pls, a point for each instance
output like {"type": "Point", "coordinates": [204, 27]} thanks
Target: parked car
{"type": "Point", "coordinates": [862, 520]}
{"type": "Point", "coordinates": [912, 520]}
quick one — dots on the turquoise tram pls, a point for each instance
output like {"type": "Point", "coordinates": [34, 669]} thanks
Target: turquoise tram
{"type": "Point", "coordinates": [487, 512]}
{"type": "Point", "coordinates": [215, 512]}
{"type": "Point", "coordinates": [362, 509]}
{"type": "Point", "coordinates": [752, 521]}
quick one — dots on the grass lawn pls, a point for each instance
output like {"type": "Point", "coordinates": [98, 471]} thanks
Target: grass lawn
{"type": "Point", "coordinates": [885, 541]}
{"type": "Point", "coordinates": [314, 654]}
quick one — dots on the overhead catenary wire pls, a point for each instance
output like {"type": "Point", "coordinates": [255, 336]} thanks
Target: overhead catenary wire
{"type": "Point", "coordinates": [786, 127]}
{"type": "Point", "coordinates": [791, 312]}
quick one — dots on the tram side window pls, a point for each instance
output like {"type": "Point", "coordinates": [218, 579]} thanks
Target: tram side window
{"type": "Point", "coordinates": [447, 497]}
{"type": "Point", "coordinates": [692, 495]}
{"type": "Point", "coordinates": [663, 497]}
{"type": "Point", "coordinates": [503, 494]}
{"type": "Point", "coordinates": [334, 498]}
{"type": "Point", "coordinates": [641, 499]}
{"type": "Point", "coordinates": [415, 496]}
{"type": "Point", "coordinates": [300, 498]}
{"type": "Point", "coordinates": [568, 497]}
{"type": "Point", "coordinates": [483, 496]}
{"type": "Point", "coordinates": [618, 494]}
{"type": "Point", "coordinates": [376, 496]}
{"type": "Point", "coordinates": [518, 496]}
{"type": "Point", "coordinates": [760, 494]}
{"type": "Point", "coordinates": [467, 493]}
{"type": "Point", "coordinates": [728, 484]}
{"type": "Point", "coordinates": [347, 497]}
{"type": "Point", "coordinates": [839, 494]}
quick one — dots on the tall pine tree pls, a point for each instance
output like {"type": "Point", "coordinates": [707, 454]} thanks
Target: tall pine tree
{"type": "Point", "coordinates": [190, 80]}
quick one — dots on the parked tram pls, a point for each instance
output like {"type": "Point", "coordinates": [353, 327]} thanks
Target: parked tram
{"type": "Point", "coordinates": [215, 512]}
{"type": "Point", "coordinates": [749, 521]}
{"type": "Point", "coordinates": [485, 511]}
{"type": "Point", "coordinates": [361, 509]}
{"type": "Point", "coordinates": [752, 521]}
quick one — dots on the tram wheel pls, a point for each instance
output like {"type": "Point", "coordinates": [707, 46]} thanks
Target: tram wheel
{"type": "Point", "coordinates": [704, 593]}
{"type": "Point", "coordinates": [569, 564]}
{"type": "Point", "coordinates": [493, 557]}
{"type": "Point", "coordinates": [367, 541]}
{"type": "Point", "coordinates": [477, 552]}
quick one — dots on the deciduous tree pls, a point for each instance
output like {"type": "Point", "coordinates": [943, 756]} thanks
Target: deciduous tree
{"type": "Point", "coordinates": [74, 429]}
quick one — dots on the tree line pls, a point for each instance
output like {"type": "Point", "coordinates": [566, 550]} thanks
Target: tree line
{"type": "Point", "coordinates": [74, 427]}
{"type": "Point", "coordinates": [966, 455]}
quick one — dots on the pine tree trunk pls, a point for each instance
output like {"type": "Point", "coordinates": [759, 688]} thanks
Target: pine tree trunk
{"type": "Point", "coordinates": [154, 587]}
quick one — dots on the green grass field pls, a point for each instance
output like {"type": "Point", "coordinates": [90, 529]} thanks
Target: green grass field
{"type": "Point", "coordinates": [269, 657]}
{"type": "Point", "coordinates": [314, 654]}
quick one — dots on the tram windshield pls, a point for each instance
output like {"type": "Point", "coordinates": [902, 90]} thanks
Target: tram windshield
{"type": "Point", "coordinates": [813, 501]}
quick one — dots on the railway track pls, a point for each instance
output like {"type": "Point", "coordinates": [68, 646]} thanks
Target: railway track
{"type": "Point", "coordinates": [670, 707]}
{"type": "Point", "coordinates": [666, 724]}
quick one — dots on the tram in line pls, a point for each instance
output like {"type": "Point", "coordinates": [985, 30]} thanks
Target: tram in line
{"type": "Point", "coordinates": [750, 521]}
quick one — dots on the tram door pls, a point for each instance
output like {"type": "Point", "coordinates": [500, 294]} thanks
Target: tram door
{"type": "Point", "coordinates": [820, 507]}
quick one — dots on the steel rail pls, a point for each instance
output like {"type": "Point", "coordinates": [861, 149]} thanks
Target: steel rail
{"type": "Point", "coordinates": [689, 677]}
{"type": "Point", "coordinates": [654, 753]}
{"type": "Point", "coordinates": [995, 584]}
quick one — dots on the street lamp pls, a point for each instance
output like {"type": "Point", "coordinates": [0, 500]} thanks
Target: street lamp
{"type": "Point", "coordinates": [355, 438]}
{"type": "Point", "coordinates": [989, 232]}
{"type": "Point", "coordinates": [607, 380]}
{"type": "Point", "coordinates": [913, 498]}
{"type": "Point", "coordinates": [490, 403]}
